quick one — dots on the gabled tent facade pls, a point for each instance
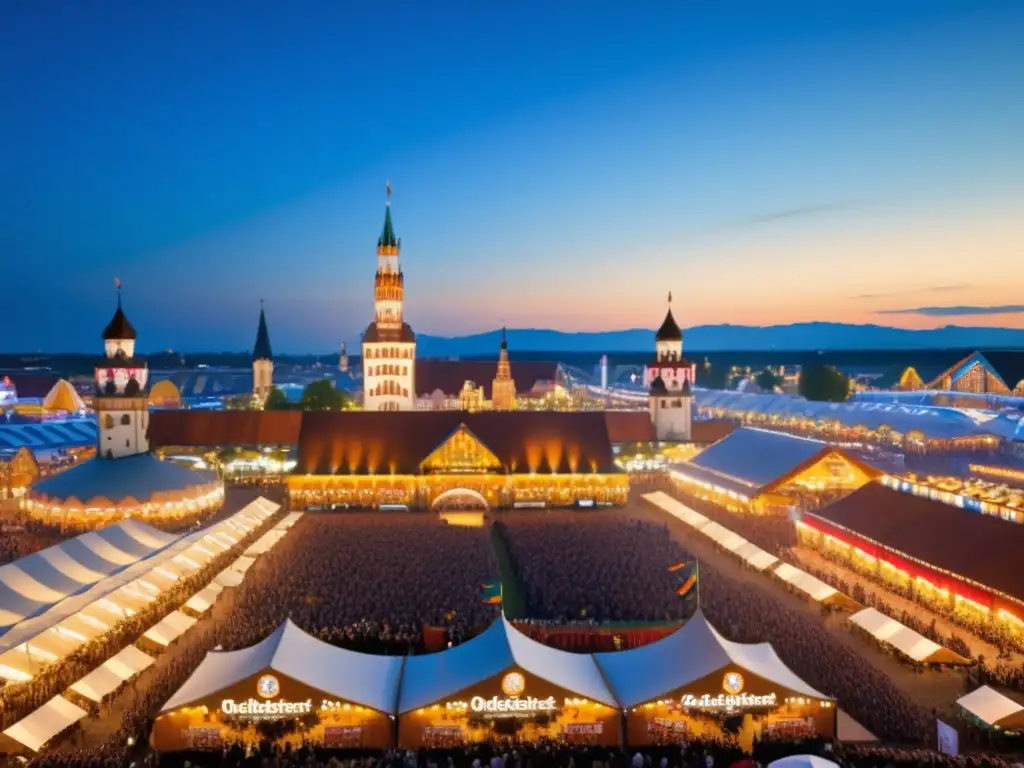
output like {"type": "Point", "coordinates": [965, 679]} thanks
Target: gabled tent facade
{"type": "Point", "coordinates": [347, 697]}
{"type": "Point", "coordinates": [762, 471]}
{"type": "Point", "coordinates": [684, 684]}
{"type": "Point", "coordinates": [503, 684]}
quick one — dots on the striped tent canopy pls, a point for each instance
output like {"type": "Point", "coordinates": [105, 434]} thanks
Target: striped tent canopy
{"type": "Point", "coordinates": [49, 435]}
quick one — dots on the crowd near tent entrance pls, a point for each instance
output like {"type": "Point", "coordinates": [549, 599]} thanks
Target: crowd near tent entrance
{"type": "Point", "coordinates": [289, 686]}
{"type": "Point", "coordinates": [697, 684]}
{"type": "Point", "coordinates": [459, 500]}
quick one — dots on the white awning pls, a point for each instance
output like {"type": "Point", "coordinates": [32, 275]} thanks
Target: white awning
{"type": "Point", "coordinates": [813, 587]}
{"type": "Point", "coordinates": [989, 706]}
{"type": "Point", "coordinates": [112, 674]}
{"type": "Point", "coordinates": [243, 564]}
{"type": "Point", "coordinates": [229, 578]}
{"type": "Point", "coordinates": [265, 542]}
{"type": "Point", "coordinates": [170, 628]}
{"type": "Point", "coordinates": [204, 599]}
{"type": "Point", "coordinates": [908, 642]}
{"type": "Point", "coordinates": [756, 556]}
{"type": "Point", "coordinates": [46, 722]}
{"type": "Point", "coordinates": [677, 509]}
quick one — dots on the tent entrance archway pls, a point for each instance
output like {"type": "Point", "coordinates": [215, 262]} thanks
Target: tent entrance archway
{"type": "Point", "coordinates": [460, 500]}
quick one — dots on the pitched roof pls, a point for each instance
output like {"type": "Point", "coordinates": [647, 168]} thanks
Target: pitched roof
{"type": "Point", "coordinates": [387, 236]}
{"type": "Point", "coordinates": [448, 376]}
{"type": "Point", "coordinates": [364, 679]}
{"type": "Point", "coordinates": [669, 330]}
{"type": "Point", "coordinates": [375, 334]}
{"type": "Point", "coordinates": [261, 350]}
{"type": "Point", "coordinates": [361, 442]}
{"type": "Point", "coordinates": [629, 426]}
{"type": "Point", "coordinates": [978, 547]}
{"type": "Point", "coordinates": [1008, 363]}
{"type": "Point", "coordinates": [136, 477]}
{"type": "Point", "coordinates": [48, 435]}
{"type": "Point", "coordinates": [756, 458]}
{"type": "Point", "coordinates": [711, 430]}
{"type": "Point", "coordinates": [118, 327]}
{"type": "Point", "coordinates": [688, 655]}
{"type": "Point", "coordinates": [222, 428]}
{"type": "Point", "coordinates": [430, 678]}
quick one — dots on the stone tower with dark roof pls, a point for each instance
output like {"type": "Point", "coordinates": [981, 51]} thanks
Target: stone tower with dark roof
{"type": "Point", "coordinates": [670, 383]}
{"type": "Point", "coordinates": [262, 360]}
{"type": "Point", "coordinates": [120, 401]}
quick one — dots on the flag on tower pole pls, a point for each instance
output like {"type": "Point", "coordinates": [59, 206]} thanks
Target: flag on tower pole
{"type": "Point", "coordinates": [117, 283]}
{"type": "Point", "coordinates": [387, 185]}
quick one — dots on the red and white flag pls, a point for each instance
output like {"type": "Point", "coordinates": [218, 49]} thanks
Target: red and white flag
{"type": "Point", "coordinates": [387, 184]}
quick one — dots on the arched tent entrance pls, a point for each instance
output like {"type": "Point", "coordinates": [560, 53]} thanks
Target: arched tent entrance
{"type": "Point", "coordinates": [460, 500]}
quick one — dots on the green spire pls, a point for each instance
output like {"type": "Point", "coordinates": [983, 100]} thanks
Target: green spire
{"type": "Point", "coordinates": [387, 237]}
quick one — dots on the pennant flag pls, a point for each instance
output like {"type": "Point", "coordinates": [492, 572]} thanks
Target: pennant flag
{"type": "Point", "coordinates": [687, 585]}
{"type": "Point", "coordinates": [387, 184]}
{"type": "Point", "coordinates": [491, 593]}
{"type": "Point", "coordinates": [678, 566]}
{"type": "Point", "coordinates": [117, 283]}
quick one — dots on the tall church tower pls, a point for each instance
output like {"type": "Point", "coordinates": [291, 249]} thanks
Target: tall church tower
{"type": "Point", "coordinates": [670, 381]}
{"type": "Point", "coordinates": [389, 345]}
{"type": "Point", "coordinates": [262, 360]}
{"type": "Point", "coordinates": [503, 388]}
{"type": "Point", "coordinates": [343, 359]}
{"type": "Point", "coordinates": [120, 402]}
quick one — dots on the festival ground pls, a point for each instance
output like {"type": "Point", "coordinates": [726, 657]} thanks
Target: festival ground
{"type": "Point", "coordinates": [928, 689]}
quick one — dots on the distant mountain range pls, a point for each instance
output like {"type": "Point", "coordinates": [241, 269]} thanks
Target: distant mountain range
{"type": "Point", "coordinates": [724, 338]}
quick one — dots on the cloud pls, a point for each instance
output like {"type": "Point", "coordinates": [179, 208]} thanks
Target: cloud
{"type": "Point", "coordinates": [961, 311]}
{"type": "Point", "coordinates": [914, 291]}
{"type": "Point", "coordinates": [789, 213]}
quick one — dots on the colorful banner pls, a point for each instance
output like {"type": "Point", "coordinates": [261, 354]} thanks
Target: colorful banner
{"type": "Point", "coordinates": [678, 566]}
{"type": "Point", "coordinates": [491, 593]}
{"type": "Point", "coordinates": [687, 585]}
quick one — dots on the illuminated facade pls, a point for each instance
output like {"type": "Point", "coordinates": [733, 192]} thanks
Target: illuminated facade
{"type": "Point", "coordinates": [488, 459]}
{"type": "Point", "coordinates": [389, 344]}
{"type": "Point", "coordinates": [262, 360]}
{"type": "Point", "coordinates": [120, 402]}
{"type": "Point", "coordinates": [503, 388]}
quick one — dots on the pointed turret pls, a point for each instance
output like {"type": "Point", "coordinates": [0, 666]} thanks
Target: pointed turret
{"type": "Point", "coordinates": [669, 330]}
{"type": "Point", "coordinates": [387, 237]}
{"type": "Point", "coordinates": [262, 360]}
{"type": "Point", "coordinates": [503, 388]}
{"type": "Point", "coordinates": [119, 329]}
{"type": "Point", "coordinates": [261, 350]}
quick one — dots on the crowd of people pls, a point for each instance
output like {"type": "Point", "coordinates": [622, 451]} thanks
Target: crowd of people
{"type": "Point", "coordinates": [597, 566]}
{"type": "Point", "coordinates": [370, 582]}
{"type": "Point", "coordinates": [25, 537]}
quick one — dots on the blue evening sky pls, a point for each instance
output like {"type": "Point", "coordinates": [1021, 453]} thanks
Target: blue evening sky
{"type": "Point", "coordinates": [555, 164]}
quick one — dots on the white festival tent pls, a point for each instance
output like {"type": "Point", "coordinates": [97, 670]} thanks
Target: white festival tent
{"type": "Point", "coordinates": [170, 628]}
{"type": "Point", "coordinates": [79, 618]}
{"type": "Point", "coordinates": [203, 600]}
{"type": "Point", "coordinates": [367, 680]}
{"type": "Point", "coordinates": [112, 674]}
{"type": "Point", "coordinates": [813, 587]}
{"type": "Point", "coordinates": [993, 708]}
{"type": "Point", "coordinates": [430, 678]}
{"type": "Point", "coordinates": [36, 582]}
{"type": "Point", "coordinates": [905, 640]}
{"type": "Point", "coordinates": [689, 654]}
{"type": "Point", "coordinates": [45, 723]}
{"type": "Point", "coordinates": [739, 546]}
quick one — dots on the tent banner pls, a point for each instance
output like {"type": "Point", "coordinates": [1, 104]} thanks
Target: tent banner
{"type": "Point", "coordinates": [949, 739]}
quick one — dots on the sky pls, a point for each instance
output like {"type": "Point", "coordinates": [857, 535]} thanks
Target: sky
{"type": "Point", "coordinates": [554, 165]}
